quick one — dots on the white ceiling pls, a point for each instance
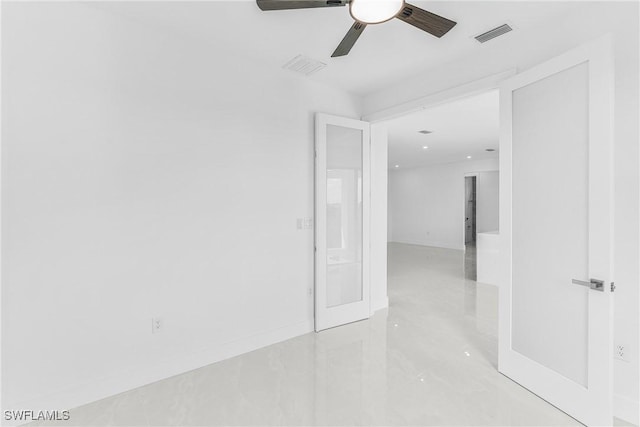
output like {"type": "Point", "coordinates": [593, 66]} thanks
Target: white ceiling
{"type": "Point", "coordinates": [384, 54]}
{"type": "Point", "coordinates": [462, 128]}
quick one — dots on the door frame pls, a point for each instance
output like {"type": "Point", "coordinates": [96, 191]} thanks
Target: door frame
{"type": "Point", "coordinates": [475, 87]}
{"type": "Point", "coordinates": [537, 378]}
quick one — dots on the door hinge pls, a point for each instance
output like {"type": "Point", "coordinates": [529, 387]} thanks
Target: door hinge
{"type": "Point", "coordinates": [613, 286]}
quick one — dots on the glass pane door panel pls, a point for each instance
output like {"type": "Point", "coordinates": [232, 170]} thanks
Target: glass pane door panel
{"type": "Point", "coordinates": [550, 222]}
{"type": "Point", "coordinates": [344, 215]}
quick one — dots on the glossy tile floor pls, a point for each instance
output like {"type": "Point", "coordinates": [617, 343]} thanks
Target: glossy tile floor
{"type": "Point", "coordinates": [431, 360]}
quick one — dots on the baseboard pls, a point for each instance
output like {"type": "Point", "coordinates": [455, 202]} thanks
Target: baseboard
{"type": "Point", "coordinates": [379, 305]}
{"type": "Point", "coordinates": [428, 244]}
{"type": "Point", "coordinates": [139, 376]}
{"type": "Point", "coordinates": [626, 409]}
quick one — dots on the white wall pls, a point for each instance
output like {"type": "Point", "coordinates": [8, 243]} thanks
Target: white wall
{"type": "Point", "coordinates": [379, 184]}
{"type": "Point", "coordinates": [145, 174]}
{"type": "Point", "coordinates": [426, 204]}
{"type": "Point", "coordinates": [522, 49]}
{"type": "Point", "coordinates": [487, 201]}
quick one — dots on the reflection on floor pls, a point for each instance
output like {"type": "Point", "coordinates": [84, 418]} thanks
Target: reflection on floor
{"type": "Point", "coordinates": [430, 361]}
{"type": "Point", "coordinates": [470, 261]}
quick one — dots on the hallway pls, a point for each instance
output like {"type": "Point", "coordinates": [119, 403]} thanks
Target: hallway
{"type": "Point", "coordinates": [430, 361]}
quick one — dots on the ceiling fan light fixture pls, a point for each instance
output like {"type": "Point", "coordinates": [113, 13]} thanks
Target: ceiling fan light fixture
{"type": "Point", "coordinates": [375, 11]}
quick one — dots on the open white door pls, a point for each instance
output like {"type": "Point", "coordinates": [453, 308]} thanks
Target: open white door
{"type": "Point", "coordinates": [556, 228]}
{"type": "Point", "coordinates": [342, 221]}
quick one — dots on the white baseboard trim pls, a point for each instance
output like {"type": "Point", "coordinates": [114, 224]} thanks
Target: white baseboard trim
{"type": "Point", "coordinates": [427, 244]}
{"type": "Point", "coordinates": [139, 376]}
{"type": "Point", "coordinates": [626, 409]}
{"type": "Point", "coordinates": [379, 305]}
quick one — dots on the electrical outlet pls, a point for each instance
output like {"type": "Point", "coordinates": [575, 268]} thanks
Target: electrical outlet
{"type": "Point", "coordinates": [620, 352]}
{"type": "Point", "coordinates": [156, 325]}
{"type": "Point", "coordinates": [310, 291]}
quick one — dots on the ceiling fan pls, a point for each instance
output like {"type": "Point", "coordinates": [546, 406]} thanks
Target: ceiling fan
{"type": "Point", "coordinates": [366, 12]}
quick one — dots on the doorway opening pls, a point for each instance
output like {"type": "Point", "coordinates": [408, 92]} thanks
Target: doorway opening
{"type": "Point", "coordinates": [443, 197]}
{"type": "Point", "coordinates": [443, 184]}
{"type": "Point", "coordinates": [470, 211]}
{"type": "Point", "coordinates": [470, 227]}
{"type": "Point", "coordinates": [443, 189]}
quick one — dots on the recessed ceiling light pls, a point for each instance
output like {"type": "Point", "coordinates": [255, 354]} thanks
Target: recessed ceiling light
{"type": "Point", "coordinates": [424, 147]}
{"type": "Point", "coordinates": [396, 166]}
{"type": "Point", "coordinates": [468, 157]}
{"type": "Point", "coordinates": [490, 149]}
{"type": "Point", "coordinates": [425, 132]}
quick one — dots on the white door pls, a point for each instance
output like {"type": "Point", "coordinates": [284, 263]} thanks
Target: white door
{"type": "Point", "coordinates": [556, 228]}
{"type": "Point", "coordinates": [342, 221]}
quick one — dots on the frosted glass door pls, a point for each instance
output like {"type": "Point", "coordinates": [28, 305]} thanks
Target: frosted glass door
{"type": "Point", "coordinates": [550, 221]}
{"type": "Point", "coordinates": [555, 225]}
{"type": "Point", "coordinates": [342, 166]}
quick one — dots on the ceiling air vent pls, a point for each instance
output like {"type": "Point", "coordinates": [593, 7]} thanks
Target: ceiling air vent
{"type": "Point", "coordinates": [492, 34]}
{"type": "Point", "coordinates": [304, 65]}
{"type": "Point", "coordinates": [425, 132]}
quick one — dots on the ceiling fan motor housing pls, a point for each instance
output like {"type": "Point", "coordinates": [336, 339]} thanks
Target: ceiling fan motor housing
{"type": "Point", "coordinates": [375, 11]}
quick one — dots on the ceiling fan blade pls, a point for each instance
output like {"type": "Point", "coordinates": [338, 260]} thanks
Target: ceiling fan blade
{"type": "Point", "coordinates": [426, 21]}
{"type": "Point", "coordinates": [297, 4]}
{"type": "Point", "coordinates": [350, 39]}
